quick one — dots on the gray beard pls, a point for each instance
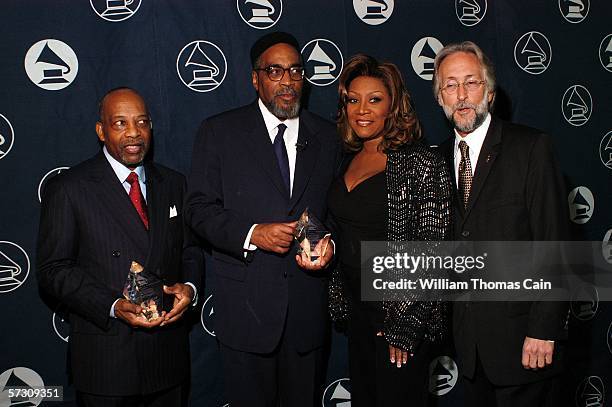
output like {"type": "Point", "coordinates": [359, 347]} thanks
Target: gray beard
{"type": "Point", "coordinates": [283, 113]}
{"type": "Point", "coordinates": [482, 109]}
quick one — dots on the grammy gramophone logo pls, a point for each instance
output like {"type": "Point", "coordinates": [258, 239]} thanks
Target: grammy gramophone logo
{"type": "Point", "coordinates": [323, 61]}
{"type": "Point", "coordinates": [581, 205]}
{"type": "Point", "coordinates": [22, 377]}
{"type": "Point", "coordinates": [443, 375]}
{"type": "Point", "coordinates": [605, 52]}
{"type": "Point", "coordinates": [207, 317]}
{"type": "Point", "coordinates": [201, 66]}
{"type": "Point", "coordinates": [422, 56]}
{"type": "Point", "coordinates": [7, 136]}
{"type": "Point", "coordinates": [605, 150]}
{"type": "Point", "coordinates": [338, 394]}
{"type": "Point", "coordinates": [51, 64]}
{"type": "Point", "coordinates": [14, 266]}
{"type": "Point", "coordinates": [574, 11]}
{"type": "Point", "coordinates": [577, 105]}
{"type": "Point", "coordinates": [260, 14]}
{"type": "Point", "coordinates": [373, 12]}
{"type": "Point", "coordinates": [533, 53]}
{"type": "Point", "coordinates": [606, 246]}
{"type": "Point", "coordinates": [470, 12]}
{"type": "Point", "coordinates": [115, 10]}
{"type": "Point", "coordinates": [590, 392]}
{"type": "Point", "coordinates": [584, 302]}
{"type": "Point", "coordinates": [46, 178]}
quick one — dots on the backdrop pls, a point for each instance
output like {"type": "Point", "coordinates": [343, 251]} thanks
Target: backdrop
{"type": "Point", "coordinates": [189, 59]}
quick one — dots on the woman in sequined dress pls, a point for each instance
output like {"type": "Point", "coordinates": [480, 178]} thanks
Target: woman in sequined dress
{"type": "Point", "coordinates": [391, 188]}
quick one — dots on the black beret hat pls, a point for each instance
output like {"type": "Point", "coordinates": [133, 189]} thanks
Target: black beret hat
{"type": "Point", "coordinates": [268, 40]}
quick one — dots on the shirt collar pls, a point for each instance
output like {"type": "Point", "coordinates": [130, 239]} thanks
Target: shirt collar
{"type": "Point", "coordinates": [121, 171]}
{"type": "Point", "coordinates": [476, 138]}
{"type": "Point", "coordinates": [272, 121]}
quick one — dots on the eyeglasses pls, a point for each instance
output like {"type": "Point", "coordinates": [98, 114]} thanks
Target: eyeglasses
{"type": "Point", "coordinates": [276, 73]}
{"type": "Point", "coordinates": [471, 85]}
{"type": "Point", "coordinates": [122, 124]}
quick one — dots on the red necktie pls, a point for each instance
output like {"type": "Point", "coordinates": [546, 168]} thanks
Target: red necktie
{"type": "Point", "coordinates": [137, 198]}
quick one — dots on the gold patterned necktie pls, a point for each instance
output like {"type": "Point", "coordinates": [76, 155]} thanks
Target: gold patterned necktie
{"type": "Point", "coordinates": [465, 172]}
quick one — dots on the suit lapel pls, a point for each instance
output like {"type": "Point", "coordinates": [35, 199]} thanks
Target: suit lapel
{"type": "Point", "coordinates": [158, 208]}
{"type": "Point", "coordinates": [449, 155]}
{"type": "Point", "coordinates": [486, 158]}
{"type": "Point", "coordinates": [306, 157]}
{"type": "Point", "coordinates": [116, 202]}
{"type": "Point", "coordinates": [258, 142]}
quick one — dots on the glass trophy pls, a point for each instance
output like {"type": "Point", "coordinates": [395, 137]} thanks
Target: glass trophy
{"type": "Point", "coordinates": [146, 290]}
{"type": "Point", "coordinates": [312, 237]}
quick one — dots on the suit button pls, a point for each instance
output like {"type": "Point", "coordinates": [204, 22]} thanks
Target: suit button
{"type": "Point", "coordinates": [465, 233]}
{"type": "Point", "coordinates": [291, 212]}
{"type": "Point", "coordinates": [284, 274]}
{"type": "Point", "coordinates": [116, 253]}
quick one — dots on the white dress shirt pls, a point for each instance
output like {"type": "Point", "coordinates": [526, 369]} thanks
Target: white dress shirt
{"type": "Point", "coordinates": [291, 138]}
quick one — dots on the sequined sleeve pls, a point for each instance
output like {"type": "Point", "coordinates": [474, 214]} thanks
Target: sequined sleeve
{"type": "Point", "coordinates": [419, 210]}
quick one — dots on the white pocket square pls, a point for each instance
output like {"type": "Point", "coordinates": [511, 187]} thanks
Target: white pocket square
{"type": "Point", "coordinates": [173, 212]}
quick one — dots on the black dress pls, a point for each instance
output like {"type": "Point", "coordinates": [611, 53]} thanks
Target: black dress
{"type": "Point", "coordinates": [361, 215]}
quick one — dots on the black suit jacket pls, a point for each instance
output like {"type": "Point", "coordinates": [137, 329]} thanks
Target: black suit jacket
{"type": "Point", "coordinates": [517, 194]}
{"type": "Point", "coordinates": [89, 235]}
{"type": "Point", "coordinates": [235, 182]}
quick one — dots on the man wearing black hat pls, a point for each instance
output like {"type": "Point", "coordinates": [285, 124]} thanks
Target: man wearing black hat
{"type": "Point", "coordinates": [255, 169]}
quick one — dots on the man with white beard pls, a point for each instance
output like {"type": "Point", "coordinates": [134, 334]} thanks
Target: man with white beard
{"type": "Point", "coordinates": [507, 187]}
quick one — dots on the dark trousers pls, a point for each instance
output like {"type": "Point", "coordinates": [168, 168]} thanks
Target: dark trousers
{"type": "Point", "coordinates": [480, 392]}
{"type": "Point", "coordinates": [285, 377]}
{"type": "Point", "coordinates": [375, 382]}
{"type": "Point", "coordinates": [173, 397]}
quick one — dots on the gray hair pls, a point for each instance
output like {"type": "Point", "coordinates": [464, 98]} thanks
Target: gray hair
{"type": "Point", "coordinates": [488, 71]}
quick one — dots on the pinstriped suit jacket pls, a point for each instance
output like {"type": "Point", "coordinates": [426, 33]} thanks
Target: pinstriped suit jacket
{"type": "Point", "coordinates": [89, 234]}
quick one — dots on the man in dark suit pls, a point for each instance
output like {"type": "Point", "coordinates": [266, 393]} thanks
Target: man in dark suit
{"type": "Point", "coordinates": [508, 187]}
{"type": "Point", "coordinates": [255, 169]}
{"type": "Point", "coordinates": [96, 219]}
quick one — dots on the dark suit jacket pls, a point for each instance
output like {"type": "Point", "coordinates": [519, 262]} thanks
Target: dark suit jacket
{"type": "Point", "coordinates": [517, 194]}
{"type": "Point", "coordinates": [89, 235]}
{"type": "Point", "coordinates": [235, 182]}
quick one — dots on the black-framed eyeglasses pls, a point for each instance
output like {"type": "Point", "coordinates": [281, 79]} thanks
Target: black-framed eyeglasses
{"type": "Point", "coordinates": [471, 85]}
{"type": "Point", "coordinates": [275, 73]}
